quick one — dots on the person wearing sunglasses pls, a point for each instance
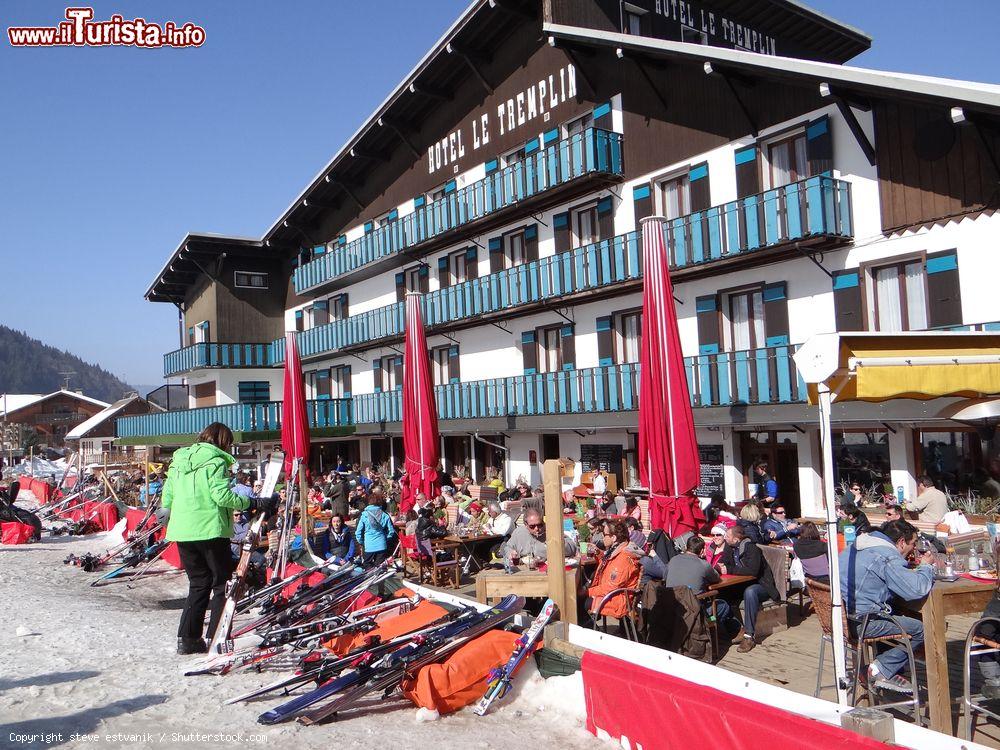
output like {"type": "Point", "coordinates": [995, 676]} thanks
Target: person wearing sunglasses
{"type": "Point", "coordinates": [716, 546]}
{"type": "Point", "coordinates": [529, 540]}
{"type": "Point", "coordinates": [777, 527]}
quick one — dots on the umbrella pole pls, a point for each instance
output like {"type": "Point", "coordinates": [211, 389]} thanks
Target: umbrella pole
{"type": "Point", "coordinates": [305, 520]}
{"type": "Point", "coordinates": [837, 599]}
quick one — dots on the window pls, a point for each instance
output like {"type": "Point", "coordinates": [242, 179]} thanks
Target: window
{"type": "Point", "coordinates": [440, 367]}
{"type": "Point", "coordinates": [862, 457]}
{"type": "Point", "coordinates": [338, 307]}
{"type": "Point", "coordinates": [549, 349]}
{"type": "Point", "coordinates": [201, 333]}
{"type": "Point", "coordinates": [458, 267]}
{"type": "Point", "coordinates": [340, 381]}
{"type": "Point", "coordinates": [586, 228]}
{"type": "Point", "coordinates": [628, 336]}
{"type": "Point", "coordinates": [578, 125]}
{"type": "Point", "coordinates": [381, 221]}
{"type": "Point", "coordinates": [514, 249]}
{"type": "Point", "coordinates": [387, 370]}
{"type": "Point", "coordinates": [632, 23]}
{"type": "Point", "coordinates": [319, 384]}
{"type": "Point", "coordinates": [746, 320]}
{"type": "Point", "coordinates": [250, 280]}
{"type": "Point", "coordinates": [435, 194]}
{"type": "Point", "coordinates": [693, 36]}
{"type": "Point", "coordinates": [961, 462]}
{"type": "Point", "coordinates": [787, 160]}
{"type": "Point", "coordinates": [899, 296]}
{"type": "Point", "coordinates": [416, 279]}
{"type": "Point", "coordinates": [674, 197]}
{"type": "Point", "coordinates": [254, 391]}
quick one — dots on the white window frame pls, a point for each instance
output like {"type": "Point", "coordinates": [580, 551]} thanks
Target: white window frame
{"type": "Point", "coordinates": [412, 274]}
{"type": "Point", "coordinates": [726, 310]}
{"type": "Point", "coordinates": [621, 351]}
{"type": "Point", "coordinates": [458, 260]}
{"type": "Point", "coordinates": [871, 289]}
{"type": "Point", "coordinates": [576, 240]}
{"type": "Point", "coordinates": [387, 368]}
{"type": "Point", "coordinates": [441, 364]}
{"type": "Point", "coordinates": [767, 181]}
{"type": "Point", "coordinates": [256, 274]}
{"type": "Point", "coordinates": [509, 260]}
{"type": "Point", "coordinates": [660, 197]}
{"type": "Point", "coordinates": [542, 358]}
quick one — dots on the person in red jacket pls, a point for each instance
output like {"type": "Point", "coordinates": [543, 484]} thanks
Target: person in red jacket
{"type": "Point", "coordinates": [618, 568]}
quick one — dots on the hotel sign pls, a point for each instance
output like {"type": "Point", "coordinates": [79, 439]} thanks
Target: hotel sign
{"type": "Point", "coordinates": [535, 102]}
{"type": "Point", "coordinates": [716, 26]}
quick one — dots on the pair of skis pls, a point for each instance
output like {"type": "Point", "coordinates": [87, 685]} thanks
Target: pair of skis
{"type": "Point", "coordinates": [237, 586]}
{"type": "Point", "coordinates": [499, 681]}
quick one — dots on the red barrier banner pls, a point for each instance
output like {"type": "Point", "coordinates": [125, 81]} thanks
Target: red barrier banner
{"type": "Point", "coordinates": [657, 711]}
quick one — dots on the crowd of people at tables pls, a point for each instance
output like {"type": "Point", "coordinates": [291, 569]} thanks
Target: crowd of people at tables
{"type": "Point", "coordinates": [361, 506]}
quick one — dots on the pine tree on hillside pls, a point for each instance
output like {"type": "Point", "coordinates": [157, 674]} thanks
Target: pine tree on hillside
{"type": "Point", "coordinates": [29, 366]}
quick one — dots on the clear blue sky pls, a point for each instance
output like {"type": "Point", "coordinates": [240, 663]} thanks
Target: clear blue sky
{"type": "Point", "coordinates": [109, 156]}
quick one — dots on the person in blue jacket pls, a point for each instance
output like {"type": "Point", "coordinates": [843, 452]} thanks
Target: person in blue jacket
{"type": "Point", "coordinates": [873, 570]}
{"type": "Point", "coordinates": [375, 531]}
{"type": "Point", "coordinates": [777, 527]}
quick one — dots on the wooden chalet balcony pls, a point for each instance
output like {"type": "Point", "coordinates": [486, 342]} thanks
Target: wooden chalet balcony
{"type": "Point", "coordinates": [594, 152]}
{"type": "Point", "coordinates": [215, 354]}
{"type": "Point", "coordinates": [815, 210]}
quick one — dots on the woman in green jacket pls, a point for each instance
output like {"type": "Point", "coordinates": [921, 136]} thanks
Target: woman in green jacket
{"type": "Point", "coordinates": [201, 506]}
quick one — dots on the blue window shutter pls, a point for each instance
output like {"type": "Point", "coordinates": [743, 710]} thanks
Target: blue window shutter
{"type": "Point", "coordinates": [775, 314]}
{"type": "Point", "coordinates": [531, 232]}
{"type": "Point", "coordinates": [848, 305]}
{"type": "Point", "coordinates": [819, 146]}
{"type": "Point", "coordinates": [604, 205]}
{"type": "Point", "coordinates": [942, 262]}
{"type": "Point", "coordinates": [845, 279]}
{"type": "Point", "coordinates": [492, 166]}
{"type": "Point", "coordinates": [400, 279]}
{"type": "Point", "coordinates": [377, 371]}
{"type": "Point", "coordinates": [443, 263]}
{"type": "Point", "coordinates": [560, 221]}
{"type": "Point", "coordinates": [392, 215]}
{"type": "Point", "coordinates": [699, 172]}
{"type": "Point", "coordinates": [346, 376]}
{"type": "Point", "coordinates": [454, 372]}
{"type": "Point", "coordinates": [342, 240]}
{"type": "Point", "coordinates": [639, 192]}
{"type": "Point", "coordinates": [531, 146]}
{"type": "Point", "coordinates": [369, 225]}
{"type": "Point", "coordinates": [550, 135]}
{"type": "Point", "coordinates": [568, 345]}
{"type": "Point", "coordinates": [423, 271]}
{"type": "Point", "coordinates": [472, 253]}
{"type": "Point", "coordinates": [419, 201]}
{"type": "Point", "coordinates": [319, 250]}
{"type": "Point", "coordinates": [449, 187]}
{"type": "Point", "coordinates": [605, 341]}
{"type": "Point", "coordinates": [746, 155]}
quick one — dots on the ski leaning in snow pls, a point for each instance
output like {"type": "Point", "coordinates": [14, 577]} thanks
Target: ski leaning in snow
{"type": "Point", "coordinates": [500, 678]}
{"type": "Point", "coordinates": [237, 585]}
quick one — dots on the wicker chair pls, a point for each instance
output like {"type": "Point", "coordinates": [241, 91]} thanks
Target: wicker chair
{"type": "Point", "coordinates": [822, 602]}
{"type": "Point", "coordinates": [976, 646]}
{"type": "Point", "coordinates": [861, 648]}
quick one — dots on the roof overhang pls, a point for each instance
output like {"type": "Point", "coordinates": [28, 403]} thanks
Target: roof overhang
{"type": "Point", "coordinates": [192, 259]}
{"type": "Point", "coordinates": [863, 82]}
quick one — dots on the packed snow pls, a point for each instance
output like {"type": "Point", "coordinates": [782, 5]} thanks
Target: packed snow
{"type": "Point", "coordinates": [86, 667]}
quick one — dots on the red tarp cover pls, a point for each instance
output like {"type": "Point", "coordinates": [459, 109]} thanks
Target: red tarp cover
{"type": "Point", "coordinates": [688, 715]}
{"type": "Point", "coordinates": [15, 533]}
{"type": "Point", "coordinates": [133, 516]}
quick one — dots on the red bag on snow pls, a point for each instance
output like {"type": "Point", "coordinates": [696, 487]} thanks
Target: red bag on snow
{"type": "Point", "coordinates": [15, 533]}
{"type": "Point", "coordinates": [460, 680]}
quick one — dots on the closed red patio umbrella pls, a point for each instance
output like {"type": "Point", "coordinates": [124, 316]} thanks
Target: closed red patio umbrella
{"type": "Point", "coordinates": [420, 426]}
{"type": "Point", "coordinates": [668, 450]}
{"type": "Point", "coordinates": [294, 423]}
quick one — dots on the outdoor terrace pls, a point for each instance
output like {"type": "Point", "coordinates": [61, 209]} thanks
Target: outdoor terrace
{"type": "Point", "coordinates": [216, 355]}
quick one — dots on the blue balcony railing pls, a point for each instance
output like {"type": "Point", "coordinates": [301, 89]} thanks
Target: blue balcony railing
{"type": "Point", "coordinates": [819, 206]}
{"type": "Point", "coordinates": [591, 267]}
{"type": "Point", "coordinates": [755, 376]}
{"type": "Point", "coordinates": [759, 376]}
{"type": "Point", "coordinates": [816, 207]}
{"type": "Point", "coordinates": [257, 417]}
{"type": "Point", "coordinates": [216, 355]}
{"type": "Point", "coordinates": [591, 152]}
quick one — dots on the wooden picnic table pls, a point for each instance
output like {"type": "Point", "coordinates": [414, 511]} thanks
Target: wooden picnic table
{"type": "Point", "coordinates": [959, 597]}
{"type": "Point", "coordinates": [496, 583]}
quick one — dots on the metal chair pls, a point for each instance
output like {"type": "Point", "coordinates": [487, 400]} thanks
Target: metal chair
{"type": "Point", "coordinates": [866, 652]}
{"type": "Point", "coordinates": [976, 646]}
{"type": "Point", "coordinates": [627, 623]}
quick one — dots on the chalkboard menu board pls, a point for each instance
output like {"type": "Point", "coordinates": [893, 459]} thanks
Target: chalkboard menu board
{"type": "Point", "coordinates": [599, 456]}
{"type": "Point", "coordinates": [710, 457]}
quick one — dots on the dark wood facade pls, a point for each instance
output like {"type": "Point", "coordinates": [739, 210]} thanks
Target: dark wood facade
{"type": "Point", "coordinates": [52, 417]}
{"type": "Point", "coordinates": [930, 169]}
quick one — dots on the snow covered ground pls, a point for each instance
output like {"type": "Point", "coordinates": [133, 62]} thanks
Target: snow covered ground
{"type": "Point", "coordinates": [84, 667]}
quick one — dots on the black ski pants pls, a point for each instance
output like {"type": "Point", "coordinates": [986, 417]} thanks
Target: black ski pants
{"type": "Point", "coordinates": [208, 564]}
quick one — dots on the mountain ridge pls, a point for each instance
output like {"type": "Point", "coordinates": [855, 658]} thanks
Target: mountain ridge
{"type": "Point", "coordinates": [32, 366]}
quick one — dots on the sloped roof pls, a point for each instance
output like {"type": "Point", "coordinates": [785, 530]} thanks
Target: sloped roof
{"type": "Point", "coordinates": [979, 96]}
{"type": "Point", "coordinates": [39, 399]}
{"type": "Point", "coordinates": [81, 430]}
{"type": "Point", "coordinates": [13, 401]}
